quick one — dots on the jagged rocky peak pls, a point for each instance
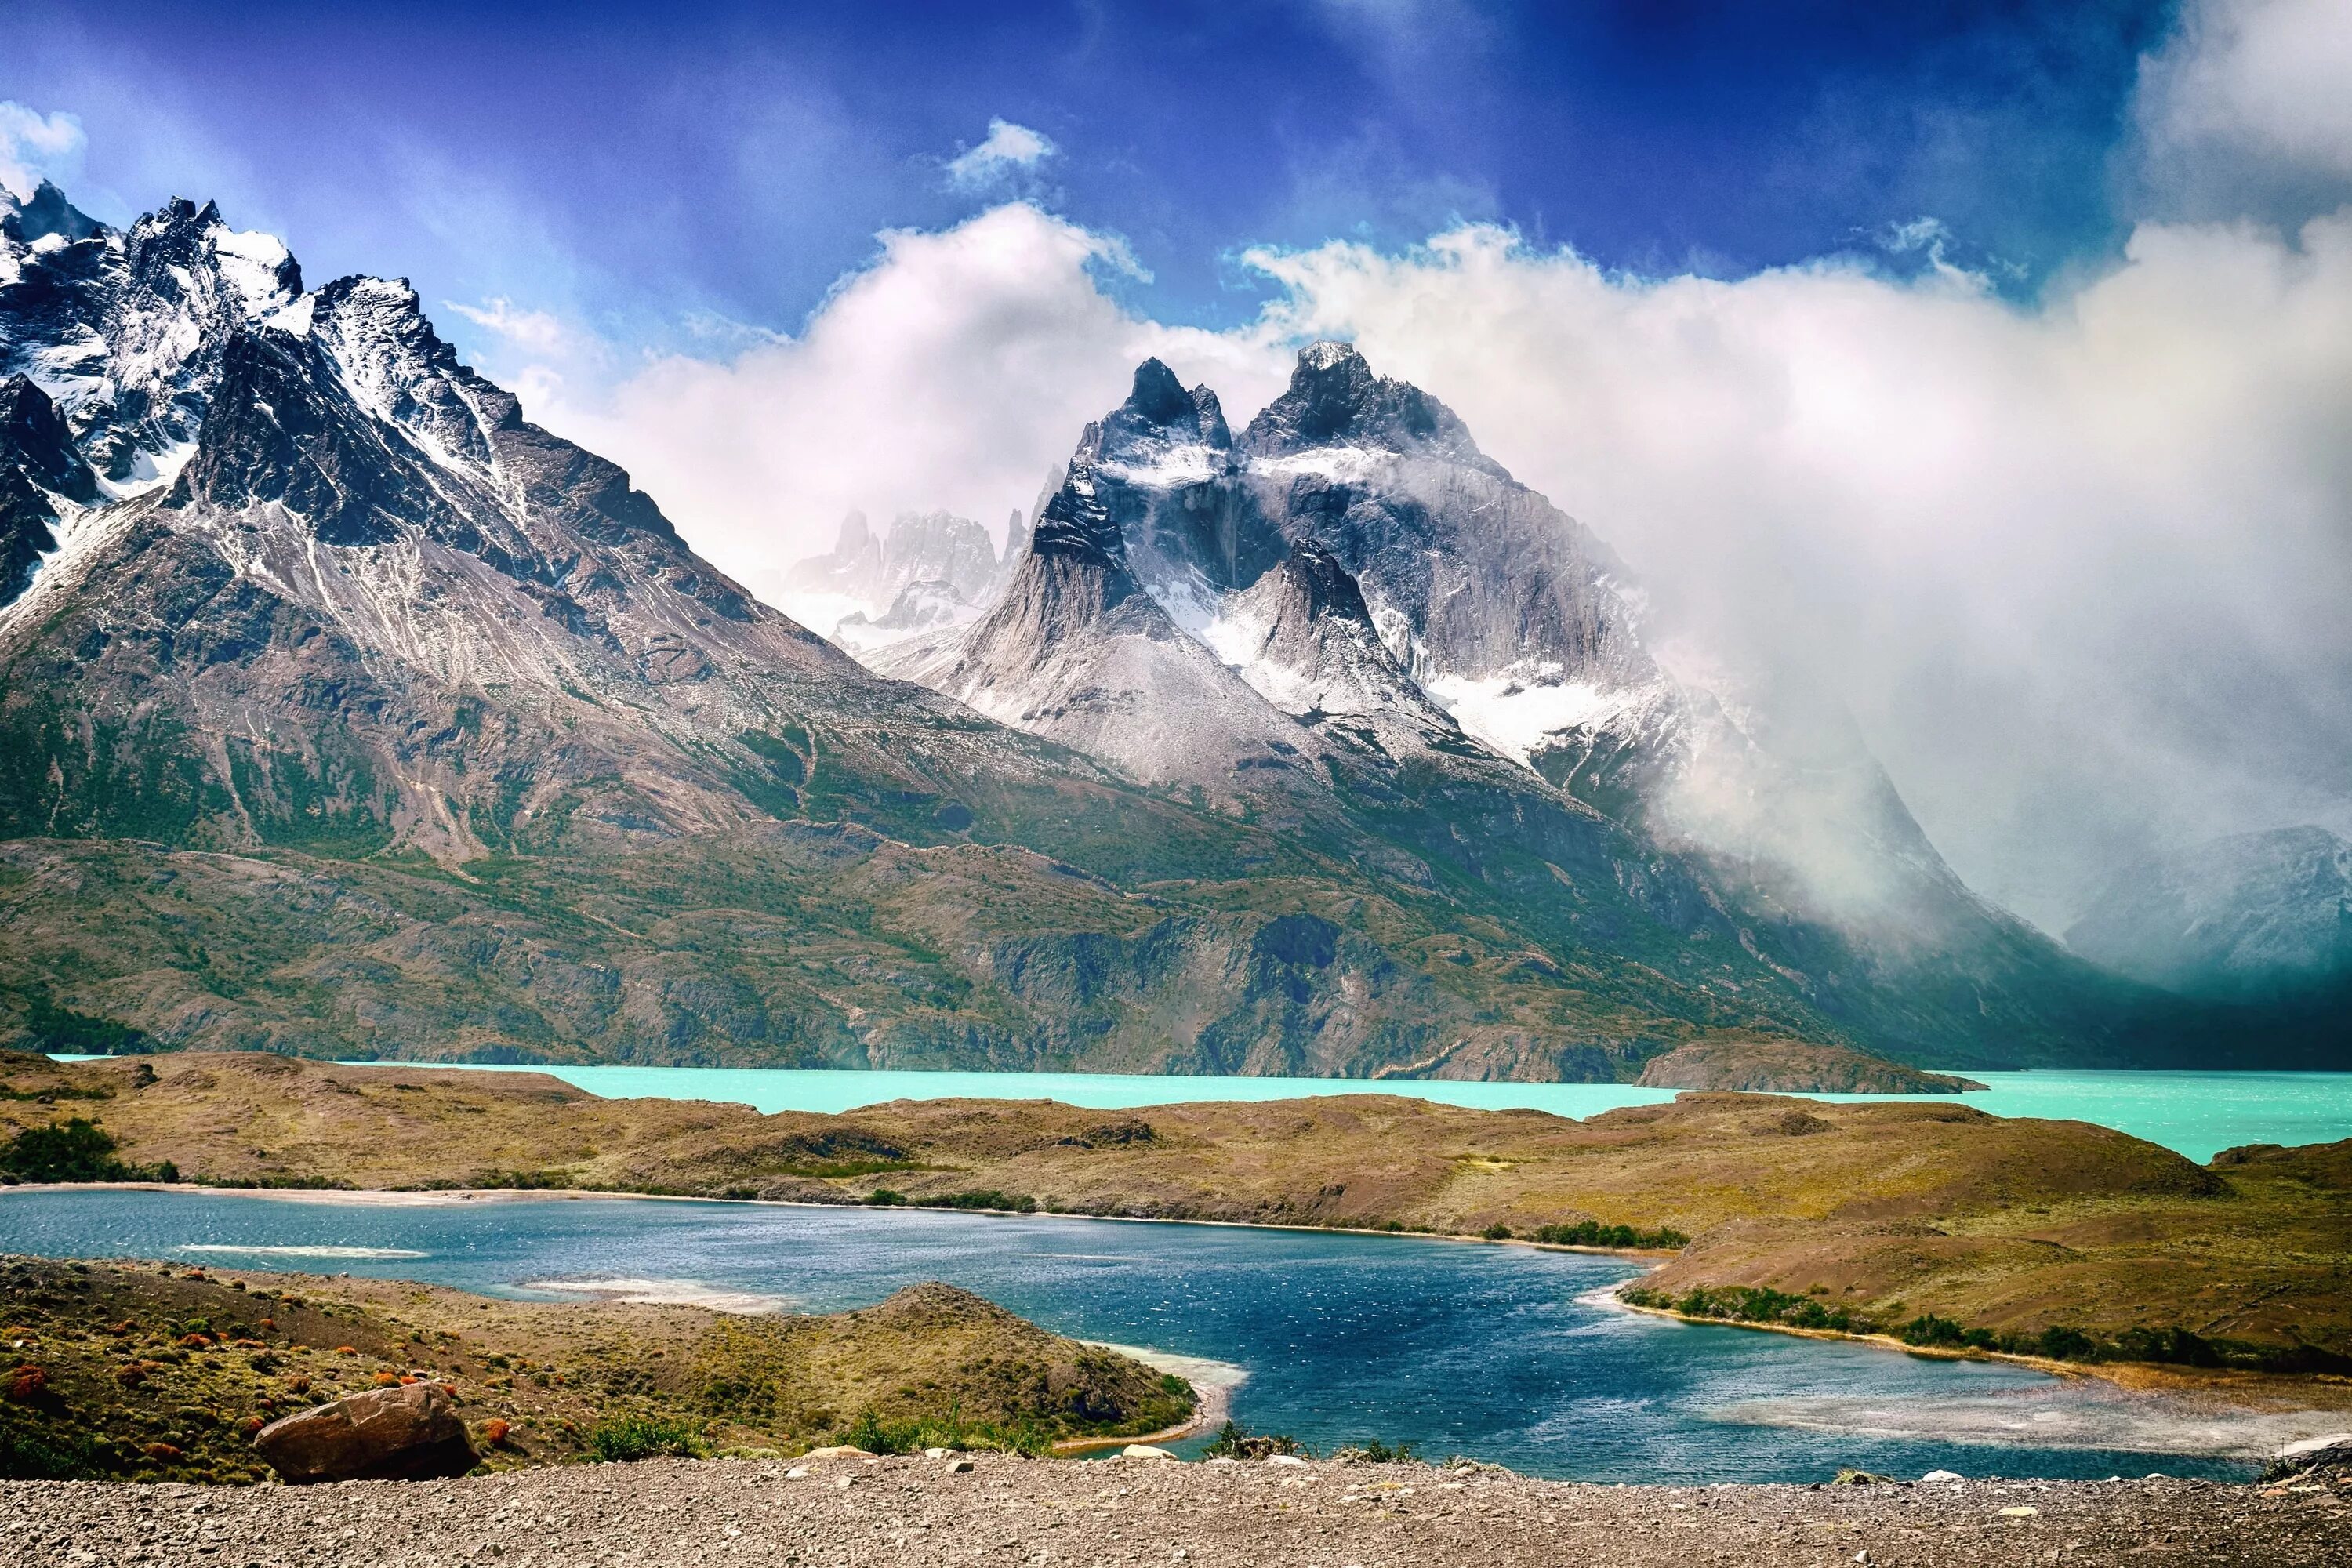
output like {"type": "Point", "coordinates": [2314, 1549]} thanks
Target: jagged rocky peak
{"type": "Point", "coordinates": [853, 562]}
{"type": "Point", "coordinates": [124, 330]}
{"type": "Point", "coordinates": [43, 215]}
{"type": "Point", "coordinates": [401, 371]}
{"type": "Point", "coordinates": [1311, 583]}
{"type": "Point", "coordinates": [1160, 418]}
{"type": "Point", "coordinates": [1016, 541]}
{"type": "Point", "coordinates": [936, 547]}
{"type": "Point", "coordinates": [177, 251]}
{"type": "Point", "coordinates": [1334, 399]}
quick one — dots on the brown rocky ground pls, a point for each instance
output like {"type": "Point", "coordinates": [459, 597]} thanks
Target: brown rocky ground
{"type": "Point", "coordinates": [1890, 1209]}
{"type": "Point", "coordinates": [913, 1512]}
{"type": "Point", "coordinates": [163, 1372]}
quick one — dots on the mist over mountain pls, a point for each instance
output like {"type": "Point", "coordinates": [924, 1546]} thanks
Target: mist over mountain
{"type": "Point", "coordinates": [345, 710]}
{"type": "Point", "coordinates": [2251, 916]}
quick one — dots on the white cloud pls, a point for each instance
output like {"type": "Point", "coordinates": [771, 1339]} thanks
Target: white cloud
{"type": "Point", "coordinates": [2079, 568]}
{"type": "Point", "coordinates": [536, 331]}
{"type": "Point", "coordinates": [2256, 90]}
{"type": "Point", "coordinates": [34, 146]}
{"type": "Point", "coordinates": [955, 372]}
{"type": "Point", "coordinates": [1008, 148]}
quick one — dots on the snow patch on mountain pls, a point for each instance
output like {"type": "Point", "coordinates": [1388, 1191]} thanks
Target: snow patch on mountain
{"type": "Point", "coordinates": [256, 266]}
{"type": "Point", "coordinates": [1517, 715]}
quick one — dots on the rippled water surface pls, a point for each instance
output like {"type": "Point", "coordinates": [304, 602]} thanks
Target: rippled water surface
{"type": "Point", "coordinates": [1496, 1351]}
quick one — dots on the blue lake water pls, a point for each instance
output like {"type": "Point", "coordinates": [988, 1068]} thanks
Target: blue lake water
{"type": "Point", "coordinates": [2198, 1113]}
{"type": "Point", "coordinates": [1496, 1351]}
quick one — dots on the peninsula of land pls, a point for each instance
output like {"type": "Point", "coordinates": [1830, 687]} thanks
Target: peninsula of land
{"type": "Point", "coordinates": [1933, 1221]}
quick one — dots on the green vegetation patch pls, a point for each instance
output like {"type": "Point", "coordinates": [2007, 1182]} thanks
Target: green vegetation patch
{"type": "Point", "coordinates": [633, 1435]}
{"type": "Point", "coordinates": [75, 1150]}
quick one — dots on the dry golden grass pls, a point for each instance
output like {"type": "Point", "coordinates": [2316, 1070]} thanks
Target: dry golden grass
{"type": "Point", "coordinates": [1891, 1207]}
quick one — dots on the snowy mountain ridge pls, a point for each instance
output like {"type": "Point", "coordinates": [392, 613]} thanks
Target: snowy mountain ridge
{"type": "Point", "coordinates": [1323, 747]}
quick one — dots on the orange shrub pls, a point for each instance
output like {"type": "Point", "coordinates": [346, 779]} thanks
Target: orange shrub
{"type": "Point", "coordinates": [26, 1382]}
{"type": "Point", "coordinates": [494, 1432]}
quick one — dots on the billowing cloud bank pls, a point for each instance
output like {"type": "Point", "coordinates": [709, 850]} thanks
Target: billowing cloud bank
{"type": "Point", "coordinates": [955, 371]}
{"type": "Point", "coordinates": [2080, 567]}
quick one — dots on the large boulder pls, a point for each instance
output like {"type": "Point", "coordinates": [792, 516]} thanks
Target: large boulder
{"type": "Point", "coordinates": [407, 1433]}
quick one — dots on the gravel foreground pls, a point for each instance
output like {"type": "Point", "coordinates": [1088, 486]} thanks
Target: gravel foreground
{"type": "Point", "coordinates": [1004, 1510]}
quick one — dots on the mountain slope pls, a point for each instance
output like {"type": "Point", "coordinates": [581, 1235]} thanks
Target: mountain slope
{"type": "Point", "coordinates": [352, 714]}
{"type": "Point", "coordinates": [1351, 619]}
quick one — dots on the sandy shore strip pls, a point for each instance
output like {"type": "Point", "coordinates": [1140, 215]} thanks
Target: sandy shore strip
{"type": "Point", "coordinates": [1005, 1513]}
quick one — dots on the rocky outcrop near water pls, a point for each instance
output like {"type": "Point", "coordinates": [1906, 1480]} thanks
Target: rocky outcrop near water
{"type": "Point", "coordinates": [1790, 1067]}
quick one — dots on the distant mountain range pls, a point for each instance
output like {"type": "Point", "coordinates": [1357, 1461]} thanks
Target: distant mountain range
{"type": "Point", "coordinates": [344, 711]}
{"type": "Point", "coordinates": [2251, 916]}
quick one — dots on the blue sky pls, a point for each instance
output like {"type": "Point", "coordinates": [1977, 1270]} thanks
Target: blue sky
{"type": "Point", "coordinates": [657, 170]}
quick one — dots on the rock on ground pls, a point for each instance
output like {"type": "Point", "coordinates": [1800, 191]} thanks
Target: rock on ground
{"type": "Point", "coordinates": [409, 1433]}
{"type": "Point", "coordinates": [913, 1512]}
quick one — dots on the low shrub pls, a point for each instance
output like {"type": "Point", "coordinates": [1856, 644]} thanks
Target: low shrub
{"type": "Point", "coordinates": [1592, 1233]}
{"type": "Point", "coordinates": [1372, 1451]}
{"type": "Point", "coordinates": [1234, 1441]}
{"type": "Point", "coordinates": [33, 1448]}
{"type": "Point", "coordinates": [1928, 1330]}
{"type": "Point", "coordinates": [987, 1198]}
{"type": "Point", "coordinates": [630, 1436]}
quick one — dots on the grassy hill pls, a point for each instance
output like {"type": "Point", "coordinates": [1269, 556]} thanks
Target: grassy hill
{"type": "Point", "coordinates": [152, 1372]}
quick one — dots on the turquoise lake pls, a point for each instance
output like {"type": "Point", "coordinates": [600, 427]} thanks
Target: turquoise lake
{"type": "Point", "coordinates": [1496, 1352]}
{"type": "Point", "coordinates": [2198, 1113]}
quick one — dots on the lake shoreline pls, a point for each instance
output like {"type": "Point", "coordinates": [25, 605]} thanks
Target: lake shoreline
{"type": "Point", "coordinates": [2137, 1378]}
